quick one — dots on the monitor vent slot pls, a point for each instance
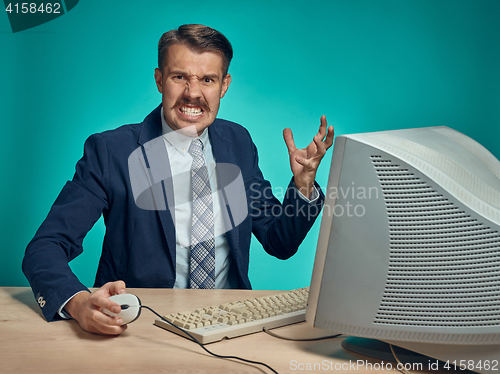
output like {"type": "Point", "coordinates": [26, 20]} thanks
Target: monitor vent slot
{"type": "Point", "coordinates": [444, 265]}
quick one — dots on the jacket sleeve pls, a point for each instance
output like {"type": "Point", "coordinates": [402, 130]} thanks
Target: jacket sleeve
{"type": "Point", "coordinates": [280, 227]}
{"type": "Point", "coordinates": [59, 238]}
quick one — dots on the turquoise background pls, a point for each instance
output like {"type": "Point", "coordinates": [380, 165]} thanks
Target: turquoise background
{"type": "Point", "coordinates": [367, 65]}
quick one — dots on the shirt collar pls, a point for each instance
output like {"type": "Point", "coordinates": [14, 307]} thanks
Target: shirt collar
{"type": "Point", "coordinates": [178, 140]}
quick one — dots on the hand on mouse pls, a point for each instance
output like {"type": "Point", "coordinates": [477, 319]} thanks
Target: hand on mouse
{"type": "Point", "coordinates": [86, 308]}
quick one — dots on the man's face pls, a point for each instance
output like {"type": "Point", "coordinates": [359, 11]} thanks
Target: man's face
{"type": "Point", "coordinates": [191, 85]}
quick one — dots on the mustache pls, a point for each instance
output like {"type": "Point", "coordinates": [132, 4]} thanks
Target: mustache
{"type": "Point", "coordinates": [201, 103]}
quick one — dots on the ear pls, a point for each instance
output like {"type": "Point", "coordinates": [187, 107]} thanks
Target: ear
{"type": "Point", "coordinates": [159, 80]}
{"type": "Point", "coordinates": [225, 85]}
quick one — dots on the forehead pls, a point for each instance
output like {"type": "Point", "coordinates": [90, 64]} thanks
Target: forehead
{"type": "Point", "coordinates": [183, 59]}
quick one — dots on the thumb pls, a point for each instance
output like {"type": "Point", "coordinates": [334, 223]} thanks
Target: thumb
{"type": "Point", "coordinates": [300, 160]}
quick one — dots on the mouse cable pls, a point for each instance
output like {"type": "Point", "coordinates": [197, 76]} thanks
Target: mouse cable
{"type": "Point", "coordinates": [206, 350]}
{"type": "Point", "coordinates": [400, 366]}
{"type": "Point", "coordinates": [300, 340]}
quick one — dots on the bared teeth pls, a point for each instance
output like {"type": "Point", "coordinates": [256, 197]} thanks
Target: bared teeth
{"type": "Point", "coordinates": [191, 111]}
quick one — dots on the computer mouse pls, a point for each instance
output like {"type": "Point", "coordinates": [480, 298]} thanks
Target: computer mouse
{"type": "Point", "coordinates": [130, 304]}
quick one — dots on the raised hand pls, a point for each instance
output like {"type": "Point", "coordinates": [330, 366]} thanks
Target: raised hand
{"type": "Point", "coordinates": [304, 162]}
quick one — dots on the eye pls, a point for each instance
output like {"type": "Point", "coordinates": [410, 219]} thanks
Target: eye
{"type": "Point", "coordinates": [208, 80]}
{"type": "Point", "coordinates": [177, 77]}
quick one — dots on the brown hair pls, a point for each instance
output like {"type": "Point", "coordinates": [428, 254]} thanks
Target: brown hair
{"type": "Point", "coordinates": [200, 39]}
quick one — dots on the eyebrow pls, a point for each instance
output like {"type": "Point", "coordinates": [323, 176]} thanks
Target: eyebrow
{"type": "Point", "coordinates": [213, 76]}
{"type": "Point", "coordinates": [180, 72]}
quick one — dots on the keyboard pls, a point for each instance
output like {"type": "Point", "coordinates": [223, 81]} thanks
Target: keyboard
{"type": "Point", "coordinates": [239, 318]}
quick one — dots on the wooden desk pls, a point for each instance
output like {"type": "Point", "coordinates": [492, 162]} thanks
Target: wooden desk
{"type": "Point", "coordinates": [28, 344]}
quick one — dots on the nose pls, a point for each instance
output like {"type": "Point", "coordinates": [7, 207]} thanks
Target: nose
{"type": "Point", "coordinates": [193, 89]}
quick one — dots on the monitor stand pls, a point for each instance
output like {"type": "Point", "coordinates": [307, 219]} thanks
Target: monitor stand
{"type": "Point", "coordinates": [486, 358]}
{"type": "Point", "coordinates": [382, 351]}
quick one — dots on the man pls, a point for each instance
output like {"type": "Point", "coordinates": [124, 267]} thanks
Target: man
{"type": "Point", "coordinates": [155, 245]}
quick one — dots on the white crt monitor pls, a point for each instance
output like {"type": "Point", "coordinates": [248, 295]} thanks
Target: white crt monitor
{"type": "Point", "coordinates": [409, 245]}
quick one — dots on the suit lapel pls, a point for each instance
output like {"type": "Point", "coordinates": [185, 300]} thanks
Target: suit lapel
{"type": "Point", "coordinates": [224, 154]}
{"type": "Point", "coordinates": [160, 174]}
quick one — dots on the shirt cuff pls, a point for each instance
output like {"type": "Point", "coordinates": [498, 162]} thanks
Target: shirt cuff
{"type": "Point", "coordinates": [62, 313]}
{"type": "Point", "coordinates": [314, 195]}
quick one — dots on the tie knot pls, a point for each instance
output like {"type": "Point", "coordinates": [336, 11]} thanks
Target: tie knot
{"type": "Point", "coordinates": [196, 148]}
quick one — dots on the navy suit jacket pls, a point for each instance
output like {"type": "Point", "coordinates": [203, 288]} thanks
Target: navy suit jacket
{"type": "Point", "coordinates": [140, 244]}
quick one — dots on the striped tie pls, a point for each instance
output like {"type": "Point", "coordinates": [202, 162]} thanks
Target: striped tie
{"type": "Point", "coordinates": [202, 260]}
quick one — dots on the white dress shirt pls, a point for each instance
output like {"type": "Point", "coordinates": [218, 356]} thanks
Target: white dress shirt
{"type": "Point", "coordinates": [180, 165]}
